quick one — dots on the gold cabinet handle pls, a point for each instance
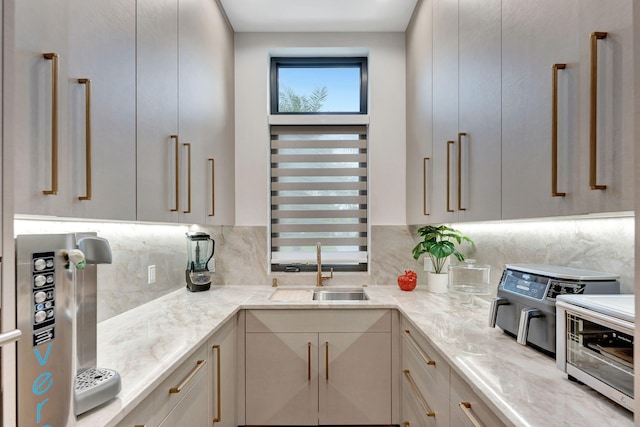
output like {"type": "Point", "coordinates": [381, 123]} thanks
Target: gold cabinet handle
{"type": "Point", "coordinates": [466, 409]}
{"type": "Point", "coordinates": [428, 412]}
{"type": "Point", "coordinates": [188, 146]}
{"type": "Point", "coordinates": [424, 186]}
{"type": "Point", "coordinates": [213, 187]}
{"type": "Point", "coordinates": [326, 361]}
{"type": "Point", "coordinates": [194, 371]}
{"type": "Point", "coordinates": [460, 135]}
{"type": "Point", "coordinates": [218, 417]}
{"type": "Point", "coordinates": [593, 116]}
{"type": "Point", "coordinates": [140, 425]}
{"type": "Point", "coordinates": [176, 141]}
{"type": "Point", "coordinates": [554, 130]}
{"type": "Point", "coordinates": [53, 57]}
{"type": "Point", "coordinates": [411, 340]}
{"type": "Point", "coordinates": [309, 361]}
{"type": "Point", "coordinates": [87, 91]}
{"type": "Point", "coordinates": [406, 424]}
{"type": "Point", "coordinates": [449, 144]}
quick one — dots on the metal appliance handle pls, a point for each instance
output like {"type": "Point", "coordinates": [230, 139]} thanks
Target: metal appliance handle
{"type": "Point", "coordinates": [493, 311]}
{"type": "Point", "coordinates": [9, 337]}
{"type": "Point", "coordinates": [523, 327]}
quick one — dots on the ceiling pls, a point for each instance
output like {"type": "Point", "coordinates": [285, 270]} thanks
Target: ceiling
{"type": "Point", "coordinates": [319, 15]}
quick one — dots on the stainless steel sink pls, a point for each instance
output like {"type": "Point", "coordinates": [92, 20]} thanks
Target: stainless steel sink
{"type": "Point", "coordinates": [340, 295]}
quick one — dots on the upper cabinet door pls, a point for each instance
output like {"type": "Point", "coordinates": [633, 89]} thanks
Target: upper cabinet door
{"type": "Point", "coordinates": [536, 110]}
{"type": "Point", "coordinates": [478, 138]}
{"type": "Point", "coordinates": [74, 113]}
{"type": "Point", "coordinates": [606, 120]}
{"type": "Point", "coordinates": [39, 116]}
{"type": "Point", "coordinates": [419, 39]}
{"type": "Point", "coordinates": [159, 148]}
{"type": "Point", "coordinates": [466, 111]}
{"type": "Point", "coordinates": [101, 76]}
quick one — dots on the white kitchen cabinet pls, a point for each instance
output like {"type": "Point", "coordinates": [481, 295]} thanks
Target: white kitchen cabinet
{"type": "Point", "coordinates": [327, 367]}
{"type": "Point", "coordinates": [182, 399]}
{"type": "Point", "coordinates": [614, 117]}
{"type": "Point", "coordinates": [56, 44]}
{"type": "Point", "coordinates": [467, 409]}
{"type": "Point", "coordinates": [466, 111]}
{"type": "Point", "coordinates": [425, 381]}
{"type": "Point", "coordinates": [223, 375]}
{"type": "Point", "coordinates": [534, 39]}
{"type": "Point", "coordinates": [419, 40]}
{"type": "Point", "coordinates": [185, 112]}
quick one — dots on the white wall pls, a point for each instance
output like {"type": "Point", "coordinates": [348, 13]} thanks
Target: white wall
{"type": "Point", "coordinates": [386, 118]}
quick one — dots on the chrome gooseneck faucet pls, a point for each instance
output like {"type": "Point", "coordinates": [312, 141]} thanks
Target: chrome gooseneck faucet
{"type": "Point", "coordinates": [319, 275]}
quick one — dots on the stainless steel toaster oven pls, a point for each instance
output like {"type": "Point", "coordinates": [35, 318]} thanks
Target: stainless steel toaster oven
{"type": "Point", "coordinates": [595, 343]}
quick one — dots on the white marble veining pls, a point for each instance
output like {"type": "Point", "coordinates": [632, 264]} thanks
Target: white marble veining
{"type": "Point", "coordinates": [523, 386]}
{"type": "Point", "coordinates": [604, 244]}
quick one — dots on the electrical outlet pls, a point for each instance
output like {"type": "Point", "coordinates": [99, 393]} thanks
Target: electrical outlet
{"type": "Point", "coordinates": [212, 264]}
{"type": "Point", "coordinates": [427, 264]}
{"type": "Point", "coordinates": [151, 274]}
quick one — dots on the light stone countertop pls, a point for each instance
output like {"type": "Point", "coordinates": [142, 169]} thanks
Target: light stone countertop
{"type": "Point", "coordinates": [524, 387]}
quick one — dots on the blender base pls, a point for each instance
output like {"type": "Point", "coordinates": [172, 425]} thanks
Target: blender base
{"type": "Point", "coordinates": [195, 287]}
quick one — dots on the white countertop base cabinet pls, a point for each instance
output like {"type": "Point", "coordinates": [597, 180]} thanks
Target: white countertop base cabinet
{"type": "Point", "coordinates": [298, 374]}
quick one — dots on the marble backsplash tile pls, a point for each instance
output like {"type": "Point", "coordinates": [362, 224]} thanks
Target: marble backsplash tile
{"type": "Point", "coordinates": [241, 256]}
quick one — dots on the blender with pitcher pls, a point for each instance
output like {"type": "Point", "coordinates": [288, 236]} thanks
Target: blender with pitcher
{"type": "Point", "coordinates": [200, 248]}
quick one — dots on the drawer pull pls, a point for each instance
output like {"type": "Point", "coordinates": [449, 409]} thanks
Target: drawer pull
{"type": "Point", "coordinates": [182, 385]}
{"type": "Point", "coordinates": [326, 360]}
{"type": "Point", "coordinates": [554, 130]}
{"type": "Point", "coordinates": [406, 424]}
{"type": "Point", "coordinates": [428, 412]}
{"type": "Point", "coordinates": [309, 361]}
{"type": "Point", "coordinates": [415, 345]}
{"type": "Point", "coordinates": [466, 409]}
{"type": "Point", "coordinates": [218, 418]}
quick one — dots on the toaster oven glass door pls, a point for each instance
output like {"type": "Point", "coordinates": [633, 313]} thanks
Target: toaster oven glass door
{"type": "Point", "coordinates": [602, 352]}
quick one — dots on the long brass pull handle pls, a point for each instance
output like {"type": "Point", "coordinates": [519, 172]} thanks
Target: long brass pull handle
{"type": "Point", "coordinates": [406, 424]}
{"type": "Point", "coordinates": [593, 116]}
{"type": "Point", "coordinates": [188, 145]}
{"type": "Point", "coordinates": [326, 360]}
{"type": "Point", "coordinates": [428, 412]}
{"type": "Point", "coordinates": [140, 425]}
{"type": "Point", "coordinates": [53, 57]}
{"type": "Point", "coordinates": [460, 135]}
{"type": "Point", "coordinates": [194, 371]}
{"type": "Point", "coordinates": [424, 186]}
{"type": "Point", "coordinates": [218, 417]}
{"type": "Point", "coordinates": [177, 166]}
{"type": "Point", "coordinates": [213, 187]}
{"type": "Point", "coordinates": [309, 361]}
{"type": "Point", "coordinates": [415, 345]}
{"type": "Point", "coordinates": [466, 409]}
{"type": "Point", "coordinates": [87, 113]}
{"type": "Point", "coordinates": [449, 144]}
{"type": "Point", "coordinates": [554, 130]}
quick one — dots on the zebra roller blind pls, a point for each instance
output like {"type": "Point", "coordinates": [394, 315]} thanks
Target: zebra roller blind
{"type": "Point", "coordinates": [319, 194]}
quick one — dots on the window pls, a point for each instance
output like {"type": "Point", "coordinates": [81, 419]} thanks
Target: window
{"type": "Point", "coordinates": [319, 85]}
{"type": "Point", "coordinates": [319, 194]}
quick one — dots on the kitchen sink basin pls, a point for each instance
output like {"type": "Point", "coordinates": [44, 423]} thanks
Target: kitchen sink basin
{"type": "Point", "coordinates": [340, 295]}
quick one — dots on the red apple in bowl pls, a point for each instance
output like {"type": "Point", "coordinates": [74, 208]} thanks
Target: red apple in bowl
{"type": "Point", "coordinates": [407, 281]}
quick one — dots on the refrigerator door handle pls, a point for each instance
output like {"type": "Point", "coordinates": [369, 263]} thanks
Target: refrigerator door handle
{"type": "Point", "coordinates": [9, 337]}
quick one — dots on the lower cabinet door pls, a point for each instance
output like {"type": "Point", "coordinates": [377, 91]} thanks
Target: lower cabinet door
{"type": "Point", "coordinates": [354, 378]}
{"type": "Point", "coordinates": [281, 378]}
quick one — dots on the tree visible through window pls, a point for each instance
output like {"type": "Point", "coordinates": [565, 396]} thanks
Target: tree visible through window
{"type": "Point", "coordinates": [319, 189]}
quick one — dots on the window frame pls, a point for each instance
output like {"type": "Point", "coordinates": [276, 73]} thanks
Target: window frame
{"type": "Point", "coordinates": [317, 62]}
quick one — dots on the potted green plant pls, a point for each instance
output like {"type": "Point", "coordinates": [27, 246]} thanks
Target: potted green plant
{"type": "Point", "coordinates": [439, 243]}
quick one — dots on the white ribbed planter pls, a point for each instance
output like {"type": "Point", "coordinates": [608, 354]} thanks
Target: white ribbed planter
{"type": "Point", "coordinates": [437, 283]}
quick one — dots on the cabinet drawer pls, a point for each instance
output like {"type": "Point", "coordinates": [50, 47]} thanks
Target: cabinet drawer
{"type": "Point", "coordinates": [466, 407]}
{"type": "Point", "coordinates": [142, 415]}
{"type": "Point", "coordinates": [366, 320]}
{"type": "Point", "coordinates": [413, 414]}
{"type": "Point", "coordinates": [178, 384]}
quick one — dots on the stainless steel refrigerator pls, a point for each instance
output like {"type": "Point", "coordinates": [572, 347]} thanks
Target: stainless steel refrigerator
{"type": "Point", "coordinates": [56, 288]}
